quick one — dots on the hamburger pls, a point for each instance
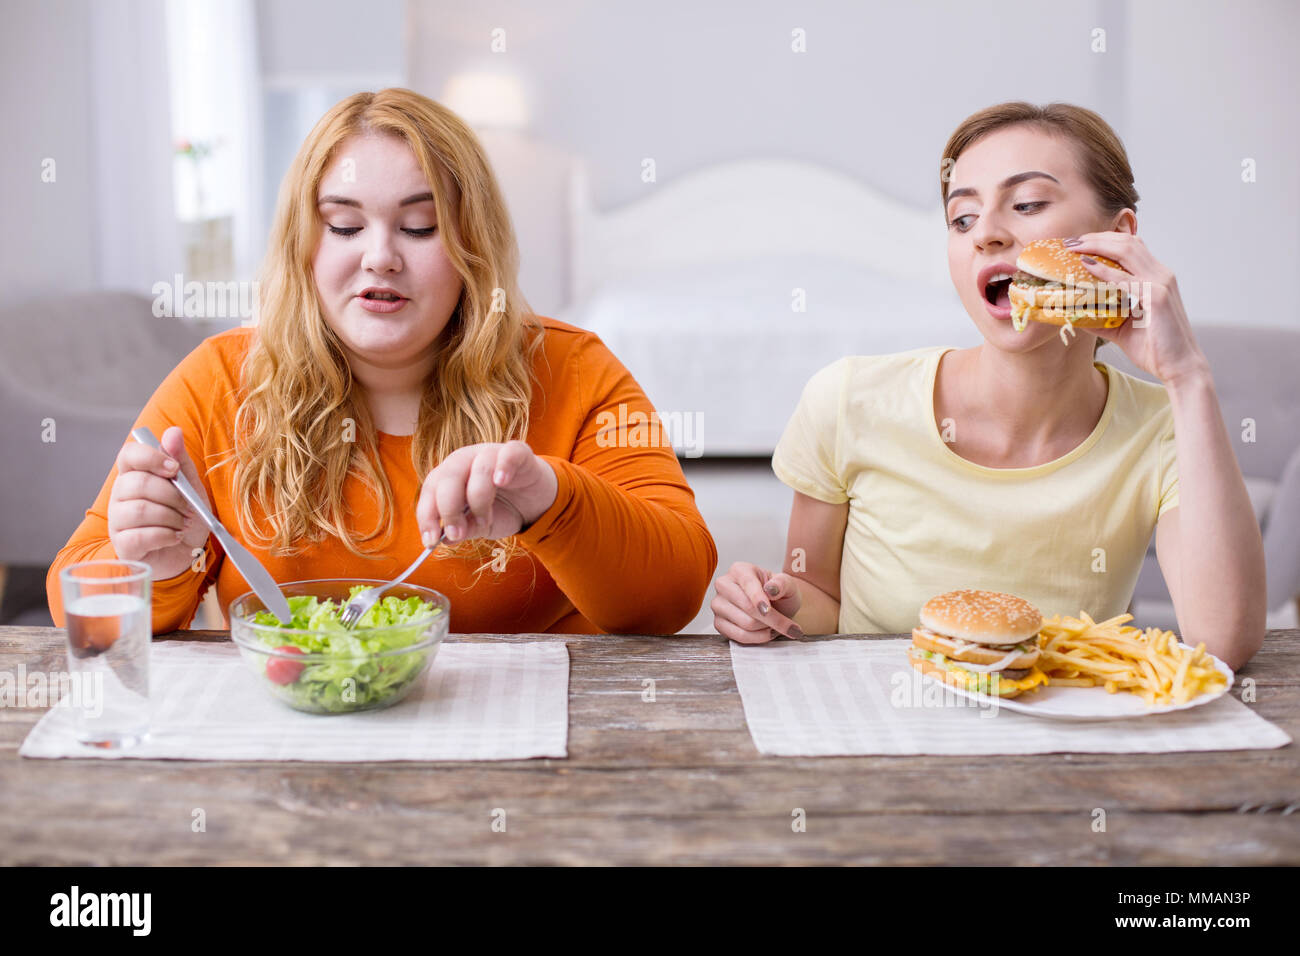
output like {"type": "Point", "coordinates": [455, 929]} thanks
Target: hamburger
{"type": "Point", "coordinates": [985, 642]}
{"type": "Point", "coordinates": [1052, 285]}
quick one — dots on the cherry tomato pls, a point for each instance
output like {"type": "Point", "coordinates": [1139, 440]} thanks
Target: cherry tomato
{"type": "Point", "coordinates": [282, 671]}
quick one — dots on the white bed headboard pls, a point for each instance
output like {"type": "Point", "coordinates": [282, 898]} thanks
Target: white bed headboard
{"type": "Point", "coordinates": [749, 209]}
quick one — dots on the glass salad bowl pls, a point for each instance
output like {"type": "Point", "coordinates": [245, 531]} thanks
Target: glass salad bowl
{"type": "Point", "coordinates": [315, 665]}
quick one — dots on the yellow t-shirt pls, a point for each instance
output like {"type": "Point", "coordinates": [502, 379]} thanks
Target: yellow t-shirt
{"type": "Point", "coordinates": [1068, 535]}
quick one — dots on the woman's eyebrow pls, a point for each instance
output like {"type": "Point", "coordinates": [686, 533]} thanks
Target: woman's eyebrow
{"type": "Point", "coordinates": [345, 201]}
{"type": "Point", "coordinates": [1006, 183]}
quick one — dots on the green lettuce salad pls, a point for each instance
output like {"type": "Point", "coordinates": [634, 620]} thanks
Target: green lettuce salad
{"type": "Point", "coordinates": [354, 680]}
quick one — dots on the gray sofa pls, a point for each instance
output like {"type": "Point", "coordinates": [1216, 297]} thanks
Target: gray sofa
{"type": "Point", "coordinates": [78, 369]}
{"type": "Point", "coordinates": [1257, 376]}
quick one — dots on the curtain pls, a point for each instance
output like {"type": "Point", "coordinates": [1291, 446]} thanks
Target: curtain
{"type": "Point", "coordinates": [137, 237]}
{"type": "Point", "coordinates": [216, 97]}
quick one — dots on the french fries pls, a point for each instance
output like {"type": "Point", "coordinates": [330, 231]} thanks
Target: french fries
{"type": "Point", "coordinates": [1081, 652]}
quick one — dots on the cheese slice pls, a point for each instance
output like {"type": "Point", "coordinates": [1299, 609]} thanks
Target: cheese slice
{"type": "Point", "coordinates": [955, 673]}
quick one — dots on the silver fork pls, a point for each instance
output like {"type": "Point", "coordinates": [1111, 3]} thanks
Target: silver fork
{"type": "Point", "coordinates": [368, 598]}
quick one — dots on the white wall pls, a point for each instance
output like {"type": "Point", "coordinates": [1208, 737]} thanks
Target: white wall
{"type": "Point", "coordinates": [691, 84]}
{"type": "Point", "coordinates": [331, 38]}
{"type": "Point", "coordinates": [48, 239]}
{"type": "Point", "coordinates": [1211, 84]}
{"type": "Point", "coordinates": [1190, 86]}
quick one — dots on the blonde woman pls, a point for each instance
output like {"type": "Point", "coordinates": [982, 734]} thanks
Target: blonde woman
{"type": "Point", "coordinates": [1019, 465]}
{"type": "Point", "coordinates": [396, 382]}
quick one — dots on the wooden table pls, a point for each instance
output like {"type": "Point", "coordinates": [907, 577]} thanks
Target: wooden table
{"type": "Point", "coordinates": [673, 781]}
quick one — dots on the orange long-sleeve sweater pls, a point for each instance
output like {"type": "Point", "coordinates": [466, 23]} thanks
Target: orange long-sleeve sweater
{"type": "Point", "coordinates": [623, 548]}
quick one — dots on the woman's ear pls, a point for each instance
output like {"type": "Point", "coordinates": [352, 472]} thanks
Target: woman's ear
{"type": "Point", "coordinates": [1125, 220]}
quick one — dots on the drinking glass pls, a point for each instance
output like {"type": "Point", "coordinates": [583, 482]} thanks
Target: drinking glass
{"type": "Point", "coordinates": [109, 624]}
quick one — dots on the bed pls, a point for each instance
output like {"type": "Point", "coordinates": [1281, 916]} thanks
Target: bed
{"type": "Point", "coordinates": [725, 290]}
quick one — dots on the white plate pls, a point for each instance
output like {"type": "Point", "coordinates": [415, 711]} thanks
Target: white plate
{"type": "Point", "coordinates": [1090, 703]}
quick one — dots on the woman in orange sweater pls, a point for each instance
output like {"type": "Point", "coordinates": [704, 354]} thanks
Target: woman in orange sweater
{"type": "Point", "coordinates": [395, 383]}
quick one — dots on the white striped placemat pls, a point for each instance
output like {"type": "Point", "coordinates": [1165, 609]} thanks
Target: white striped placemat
{"type": "Point", "coordinates": [847, 697]}
{"type": "Point", "coordinates": [477, 701]}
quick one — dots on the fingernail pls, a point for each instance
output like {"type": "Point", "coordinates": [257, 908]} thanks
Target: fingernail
{"type": "Point", "coordinates": [1089, 259]}
{"type": "Point", "coordinates": [170, 465]}
{"type": "Point", "coordinates": [763, 608]}
{"type": "Point", "coordinates": [796, 632]}
{"type": "Point", "coordinates": [499, 478]}
{"type": "Point", "coordinates": [453, 532]}
{"type": "Point", "coordinates": [179, 535]}
{"type": "Point", "coordinates": [1072, 242]}
{"type": "Point", "coordinates": [428, 538]}
{"type": "Point", "coordinates": [772, 589]}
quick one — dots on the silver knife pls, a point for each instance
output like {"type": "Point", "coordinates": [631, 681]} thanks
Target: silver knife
{"type": "Point", "coordinates": [264, 585]}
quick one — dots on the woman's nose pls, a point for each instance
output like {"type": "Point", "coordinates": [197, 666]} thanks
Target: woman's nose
{"type": "Point", "coordinates": [381, 253]}
{"type": "Point", "coordinates": [990, 233]}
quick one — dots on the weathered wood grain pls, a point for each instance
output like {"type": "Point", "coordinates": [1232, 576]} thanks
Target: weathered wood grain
{"type": "Point", "coordinates": [676, 780]}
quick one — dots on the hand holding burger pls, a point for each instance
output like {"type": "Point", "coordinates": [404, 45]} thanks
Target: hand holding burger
{"type": "Point", "coordinates": [1161, 341]}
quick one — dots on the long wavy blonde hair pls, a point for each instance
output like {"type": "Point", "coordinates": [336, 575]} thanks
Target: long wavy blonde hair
{"type": "Point", "coordinates": [290, 451]}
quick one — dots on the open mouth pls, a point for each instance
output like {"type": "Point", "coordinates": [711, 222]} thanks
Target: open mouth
{"type": "Point", "coordinates": [998, 290]}
{"type": "Point", "coordinates": [382, 296]}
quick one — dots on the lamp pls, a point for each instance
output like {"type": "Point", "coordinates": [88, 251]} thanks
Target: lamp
{"type": "Point", "coordinates": [487, 100]}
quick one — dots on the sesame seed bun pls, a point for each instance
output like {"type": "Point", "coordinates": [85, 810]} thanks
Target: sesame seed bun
{"type": "Point", "coordinates": [981, 617]}
{"type": "Point", "coordinates": [1052, 260]}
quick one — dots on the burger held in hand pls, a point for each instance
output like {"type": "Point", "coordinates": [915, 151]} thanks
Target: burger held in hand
{"type": "Point", "coordinates": [1053, 286]}
{"type": "Point", "coordinates": [981, 641]}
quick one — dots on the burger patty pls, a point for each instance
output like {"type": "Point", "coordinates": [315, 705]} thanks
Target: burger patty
{"type": "Point", "coordinates": [1024, 278]}
{"type": "Point", "coordinates": [948, 664]}
{"type": "Point", "coordinates": [1027, 645]}
{"type": "Point", "coordinates": [1091, 297]}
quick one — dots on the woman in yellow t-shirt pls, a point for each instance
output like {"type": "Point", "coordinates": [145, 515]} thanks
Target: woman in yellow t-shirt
{"type": "Point", "coordinates": [1021, 464]}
